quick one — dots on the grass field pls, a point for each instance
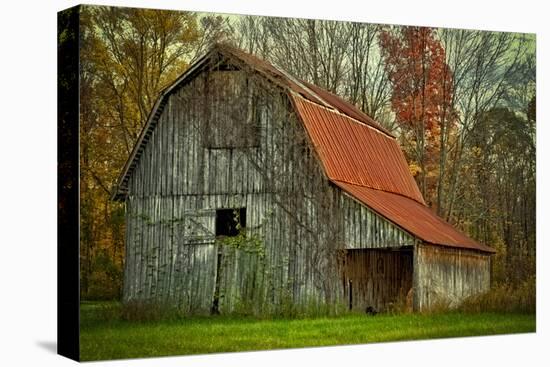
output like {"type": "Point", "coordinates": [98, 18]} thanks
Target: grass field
{"type": "Point", "coordinates": [111, 338]}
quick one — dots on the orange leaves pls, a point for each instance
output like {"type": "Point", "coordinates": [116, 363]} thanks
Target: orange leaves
{"type": "Point", "coordinates": [421, 96]}
{"type": "Point", "coordinates": [421, 79]}
{"type": "Point", "coordinates": [127, 56]}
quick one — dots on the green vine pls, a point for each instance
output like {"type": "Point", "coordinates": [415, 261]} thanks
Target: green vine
{"type": "Point", "coordinates": [245, 242]}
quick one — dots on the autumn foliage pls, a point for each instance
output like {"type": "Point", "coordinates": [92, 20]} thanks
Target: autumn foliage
{"type": "Point", "coordinates": [460, 102]}
{"type": "Point", "coordinates": [421, 95]}
{"type": "Point", "coordinates": [127, 57]}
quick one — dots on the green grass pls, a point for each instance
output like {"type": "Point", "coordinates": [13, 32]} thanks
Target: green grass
{"type": "Point", "coordinates": [111, 338]}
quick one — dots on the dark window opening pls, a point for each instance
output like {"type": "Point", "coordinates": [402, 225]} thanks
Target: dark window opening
{"type": "Point", "coordinates": [229, 221]}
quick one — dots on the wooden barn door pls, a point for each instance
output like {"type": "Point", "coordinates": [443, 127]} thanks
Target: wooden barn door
{"type": "Point", "coordinates": [376, 278]}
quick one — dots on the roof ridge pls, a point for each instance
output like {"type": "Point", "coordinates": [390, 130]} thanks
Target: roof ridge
{"type": "Point", "coordinates": [353, 109]}
{"type": "Point", "coordinates": [337, 111]}
{"type": "Point", "coordinates": [302, 85]}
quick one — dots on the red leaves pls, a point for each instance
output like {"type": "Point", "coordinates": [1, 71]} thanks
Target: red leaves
{"type": "Point", "coordinates": [421, 79]}
{"type": "Point", "coordinates": [422, 91]}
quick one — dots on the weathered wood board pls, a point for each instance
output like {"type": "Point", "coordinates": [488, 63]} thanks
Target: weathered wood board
{"type": "Point", "coordinates": [376, 279]}
{"type": "Point", "coordinates": [448, 275]}
{"type": "Point", "coordinates": [226, 139]}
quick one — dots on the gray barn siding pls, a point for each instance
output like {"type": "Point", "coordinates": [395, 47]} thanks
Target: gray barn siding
{"type": "Point", "coordinates": [366, 229]}
{"type": "Point", "coordinates": [448, 275]}
{"type": "Point", "coordinates": [178, 184]}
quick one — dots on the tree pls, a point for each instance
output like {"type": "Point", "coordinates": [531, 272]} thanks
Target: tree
{"type": "Point", "coordinates": [252, 36]}
{"type": "Point", "coordinates": [313, 50]}
{"type": "Point", "coordinates": [365, 80]}
{"type": "Point", "coordinates": [127, 57]}
{"type": "Point", "coordinates": [500, 203]}
{"type": "Point", "coordinates": [340, 57]}
{"type": "Point", "coordinates": [421, 95]}
{"type": "Point", "coordinates": [484, 66]}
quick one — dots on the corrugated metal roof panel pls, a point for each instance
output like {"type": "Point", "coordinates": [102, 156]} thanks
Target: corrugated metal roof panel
{"type": "Point", "coordinates": [354, 152]}
{"type": "Point", "coordinates": [305, 89]}
{"type": "Point", "coordinates": [370, 166]}
{"type": "Point", "coordinates": [412, 216]}
{"type": "Point", "coordinates": [358, 154]}
{"type": "Point", "coordinates": [345, 107]}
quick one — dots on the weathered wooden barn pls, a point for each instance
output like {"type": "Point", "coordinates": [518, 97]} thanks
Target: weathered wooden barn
{"type": "Point", "coordinates": [251, 189]}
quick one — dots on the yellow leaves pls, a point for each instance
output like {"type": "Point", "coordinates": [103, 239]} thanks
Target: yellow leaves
{"type": "Point", "coordinates": [432, 173]}
{"type": "Point", "coordinates": [476, 151]}
{"type": "Point", "coordinates": [414, 169]}
{"type": "Point", "coordinates": [127, 56]}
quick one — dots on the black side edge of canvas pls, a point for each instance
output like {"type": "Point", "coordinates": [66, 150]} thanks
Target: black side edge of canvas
{"type": "Point", "coordinates": [68, 297]}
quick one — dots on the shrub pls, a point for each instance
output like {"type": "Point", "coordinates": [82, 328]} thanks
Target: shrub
{"type": "Point", "coordinates": [402, 305]}
{"type": "Point", "coordinates": [105, 279]}
{"type": "Point", "coordinates": [504, 298]}
{"type": "Point", "coordinates": [93, 312]}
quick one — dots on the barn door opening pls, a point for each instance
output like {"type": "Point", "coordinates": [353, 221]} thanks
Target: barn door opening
{"type": "Point", "coordinates": [228, 224]}
{"type": "Point", "coordinates": [377, 279]}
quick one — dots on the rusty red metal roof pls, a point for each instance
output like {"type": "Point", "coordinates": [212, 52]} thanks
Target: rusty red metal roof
{"type": "Point", "coordinates": [345, 107]}
{"type": "Point", "coordinates": [307, 90]}
{"type": "Point", "coordinates": [357, 154]}
{"type": "Point", "coordinates": [412, 216]}
{"type": "Point", "coordinates": [369, 165]}
{"type": "Point", "coordinates": [354, 152]}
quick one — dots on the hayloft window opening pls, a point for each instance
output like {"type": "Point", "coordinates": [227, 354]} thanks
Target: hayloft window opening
{"type": "Point", "coordinates": [233, 120]}
{"type": "Point", "coordinates": [252, 129]}
{"type": "Point", "coordinates": [230, 221]}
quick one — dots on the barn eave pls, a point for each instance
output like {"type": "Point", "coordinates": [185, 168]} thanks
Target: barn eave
{"type": "Point", "coordinates": [428, 228]}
